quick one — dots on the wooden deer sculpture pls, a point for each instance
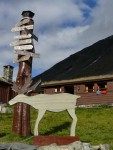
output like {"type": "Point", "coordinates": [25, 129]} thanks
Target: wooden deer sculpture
{"type": "Point", "coordinates": [50, 102]}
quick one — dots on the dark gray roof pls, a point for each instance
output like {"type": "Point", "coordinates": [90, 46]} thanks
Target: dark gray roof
{"type": "Point", "coordinates": [94, 60]}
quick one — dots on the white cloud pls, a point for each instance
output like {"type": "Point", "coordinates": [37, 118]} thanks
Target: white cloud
{"type": "Point", "coordinates": [102, 24]}
{"type": "Point", "coordinates": [51, 13]}
{"type": "Point", "coordinates": [57, 46]}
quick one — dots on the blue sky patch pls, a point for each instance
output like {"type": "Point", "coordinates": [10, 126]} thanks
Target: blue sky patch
{"type": "Point", "coordinates": [90, 3]}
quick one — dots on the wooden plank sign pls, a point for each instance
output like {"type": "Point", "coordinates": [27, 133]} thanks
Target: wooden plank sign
{"type": "Point", "coordinates": [22, 28]}
{"type": "Point", "coordinates": [26, 53]}
{"type": "Point", "coordinates": [23, 58]}
{"type": "Point", "coordinates": [33, 35]}
{"type": "Point", "coordinates": [21, 42]}
{"type": "Point", "coordinates": [26, 20]}
{"type": "Point", "coordinates": [23, 47]}
{"type": "Point", "coordinates": [24, 36]}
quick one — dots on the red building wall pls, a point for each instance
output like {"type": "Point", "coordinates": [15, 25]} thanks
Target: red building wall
{"type": "Point", "coordinates": [6, 92]}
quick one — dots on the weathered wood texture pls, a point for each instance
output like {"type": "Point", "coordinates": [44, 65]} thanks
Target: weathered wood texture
{"type": "Point", "coordinates": [23, 58]}
{"type": "Point", "coordinates": [22, 22]}
{"type": "Point", "coordinates": [21, 119]}
{"type": "Point", "coordinates": [24, 36]}
{"type": "Point", "coordinates": [92, 98]}
{"type": "Point", "coordinates": [88, 98]}
{"type": "Point", "coordinates": [6, 92]}
{"type": "Point", "coordinates": [59, 140]}
{"type": "Point", "coordinates": [23, 47]}
{"type": "Point", "coordinates": [21, 42]}
{"type": "Point", "coordinates": [29, 27]}
{"type": "Point", "coordinates": [27, 53]}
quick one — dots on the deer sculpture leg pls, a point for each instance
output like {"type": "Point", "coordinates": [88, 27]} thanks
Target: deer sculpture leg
{"type": "Point", "coordinates": [39, 117]}
{"type": "Point", "coordinates": [73, 125]}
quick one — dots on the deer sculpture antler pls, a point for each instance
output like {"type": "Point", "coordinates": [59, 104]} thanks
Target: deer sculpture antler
{"type": "Point", "coordinates": [26, 88]}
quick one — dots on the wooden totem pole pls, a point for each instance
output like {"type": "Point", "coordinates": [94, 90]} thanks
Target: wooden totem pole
{"type": "Point", "coordinates": [23, 46]}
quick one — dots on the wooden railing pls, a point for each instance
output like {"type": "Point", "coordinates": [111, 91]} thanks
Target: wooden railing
{"type": "Point", "coordinates": [92, 98]}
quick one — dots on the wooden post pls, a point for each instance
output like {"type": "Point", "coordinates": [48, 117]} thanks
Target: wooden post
{"type": "Point", "coordinates": [21, 119]}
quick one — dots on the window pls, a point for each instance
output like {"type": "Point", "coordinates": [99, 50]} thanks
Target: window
{"type": "Point", "coordinates": [57, 89]}
{"type": "Point", "coordinates": [89, 87]}
{"type": "Point", "coordinates": [69, 89]}
{"type": "Point", "coordinates": [102, 85]}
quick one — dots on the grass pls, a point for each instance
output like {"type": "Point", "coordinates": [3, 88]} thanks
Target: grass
{"type": "Point", "coordinates": [95, 125]}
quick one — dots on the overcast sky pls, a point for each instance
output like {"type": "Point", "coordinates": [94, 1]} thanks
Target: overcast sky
{"type": "Point", "coordinates": [62, 26]}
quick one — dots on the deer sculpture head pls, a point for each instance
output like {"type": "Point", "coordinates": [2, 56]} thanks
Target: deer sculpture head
{"type": "Point", "coordinates": [27, 87]}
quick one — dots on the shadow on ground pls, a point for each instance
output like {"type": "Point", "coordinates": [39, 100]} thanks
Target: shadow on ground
{"type": "Point", "coordinates": [3, 134]}
{"type": "Point", "coordinates": [58, 128]}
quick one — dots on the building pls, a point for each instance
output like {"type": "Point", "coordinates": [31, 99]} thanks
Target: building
{"type": "Point", "coordinates": [6, 92]}
{"type": "Point", "coordinates": [88, 73]}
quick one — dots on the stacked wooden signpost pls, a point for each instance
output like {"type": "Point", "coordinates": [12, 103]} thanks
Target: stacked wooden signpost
{"type": "Point", "coordinates": [24, 48]}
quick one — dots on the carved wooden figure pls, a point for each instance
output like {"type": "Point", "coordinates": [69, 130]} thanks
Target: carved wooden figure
{"type": "Point", "coordinates": [54, 103]}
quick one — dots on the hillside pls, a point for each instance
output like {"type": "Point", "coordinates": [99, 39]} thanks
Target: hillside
{"type": "Point", "coordinates": [94, 60]}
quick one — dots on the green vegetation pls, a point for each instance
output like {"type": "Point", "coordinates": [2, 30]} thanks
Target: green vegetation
{"type": "Point", "coordinates": [95, 125]}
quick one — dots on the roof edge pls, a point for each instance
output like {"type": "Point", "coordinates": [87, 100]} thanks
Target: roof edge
{"type": "Point", "coordinates": [78, 80]}
{"type": "Point", "coordinates": [2, 79]}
